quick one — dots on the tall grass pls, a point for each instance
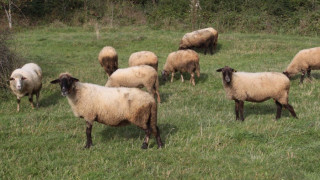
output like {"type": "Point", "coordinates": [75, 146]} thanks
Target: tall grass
{"type": "Point", "coordinates": [202, 139]}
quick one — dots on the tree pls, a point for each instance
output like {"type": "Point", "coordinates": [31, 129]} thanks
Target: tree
{"type": "Point", "coordinates": [7, 6]}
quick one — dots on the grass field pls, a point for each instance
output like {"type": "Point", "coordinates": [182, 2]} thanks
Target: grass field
{"type": "Point", "coordinates": [202, 139]}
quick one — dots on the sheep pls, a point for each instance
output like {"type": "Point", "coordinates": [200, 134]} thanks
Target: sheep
{"type": "Point", "coordinates": [215, 34]}
{"type": "Point", "coordinates": [256, 87]}
{"type": "Point", "coordinates": [26, 81]}
{"type": "Point", "coordinates": [110, 106]}
{"type": "Point", "coordinates": [304, 61]}
{"type": "Point", "coordinates": [182, 61]}
{"type": "Point", "coordinates": [108, 59]}
{"type": "Point", "coordinates": [136, 76]}
{"type": "Point", "coordinates": [144, 57]}
{"type": "Point", "coordinates": [198, 39]}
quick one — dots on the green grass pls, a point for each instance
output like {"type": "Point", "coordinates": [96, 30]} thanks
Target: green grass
{"type": "Point", "coordinates": [202, 139]}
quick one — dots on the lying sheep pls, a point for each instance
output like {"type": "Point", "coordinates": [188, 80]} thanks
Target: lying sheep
{"type": "Point", "coordinates": [182, 61]}
{"type": "Point", "coordinates": [215, 34]}
{"type": "Point", "coordinates": [136, 76]}
{"type": "Point", "coordinates": [108, 59]}
{"type": "Point", "coordinates": [26, 81]}
{"type": "Point", "coordinates": [110, 106]}
{"type": "Point", "coordinates": [256, 87]}
{"type": "Point", "coordinates": [198, 39]}
{"type": "Point", "coordinates": [305, 61]}
{"type": "Point", "coordinates": [144, 58]}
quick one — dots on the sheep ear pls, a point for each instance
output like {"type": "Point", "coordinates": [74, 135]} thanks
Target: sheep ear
{"type": "Point", "coordinates": [233, 70]}
{"type": "Point", "coordinates": [11, 79]}
{"type": "Point", "coordinates": [219, 70]}
{"type": "Point", "coordinates": [74, 79]}
{"type": "Point", "coordinates": [23, 78]}
{"type": "Point", "coordinates": [55, 81]}
{"type": "Point", "coordinates": [286, 73]}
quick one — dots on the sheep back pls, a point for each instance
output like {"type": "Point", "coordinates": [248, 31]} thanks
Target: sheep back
{"type": "Point", "coordinates": [215, 34]}
{"type": "Point", "coordinates": [183, 61]}
{"type": "Point", "coordinates": [258, 87]}
{"type": "Point", "coordinates": [197, 39]}
{"type": "Point", "coordinates": [144, 58]}
{"type": "Point", "coordinates": [108, 59]}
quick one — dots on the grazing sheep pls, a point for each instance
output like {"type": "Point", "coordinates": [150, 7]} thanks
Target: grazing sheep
{"type": "Point", "coordinates": [215, 34]}
{"type": "Point", "coordinates": [26, 81]}
{"type": "Point", "coordinates": [144, 58]}
{"type": "Point", "coordinates": [108, 59]}
{"type": "Point", "coordinates": [198, 39]}
{"type": "Point", "coordinates": [256, 87]}
{"type": "Point", "coordinates": [182, 61]}
{"type": "Point", "coordinates": [110, 106]}
{"type": "Point", "coordinates": [136, 76]}
{"type": "Point", "coordinates": [304, 61]}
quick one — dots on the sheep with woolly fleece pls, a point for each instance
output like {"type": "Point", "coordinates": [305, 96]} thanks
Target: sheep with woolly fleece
{"type": "Point", "coordinates": [26, 81]}
{"type": "Point", "coordinates": [144, 58]}
{"type": "Point", "coordinates": [198, 39]}
{"type": "Point", "coordinates": [304, 61]}
{"type": "Point", "coordinates": [182, 61]}
{"type": "Point", "coordinates": [256, 87]}
{"type": "Point", "coordinates": [136, 76]}
{"type": "Point", "coordinates": [215, 34]}
{"type": "Point", "coordinates": [108, 59]}
{"type": "Point", "coordinates": [110, 106]}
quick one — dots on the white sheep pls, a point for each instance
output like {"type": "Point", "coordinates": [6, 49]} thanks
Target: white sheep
{"type": "Point", "coordinates": [256, 87]}
{"type": "Point", "coordinates": [110, 106]}
{"type": "Point", "coordinates": [182, 61]}
{"type": "Point", "coordinates": [26, 81]}
{"type": "Point", "coordinates": [136, 76]}
{"type": "Point", "coordinates": [304, 61]}
{"type": "Point", "coordinates": [198, 39]}
{"type": "Point", "coordinates": [215, 34]}
{"type": "Point", "coordinates": [144, 58]}
{"type": "Point", "coordinates": [108, 59]}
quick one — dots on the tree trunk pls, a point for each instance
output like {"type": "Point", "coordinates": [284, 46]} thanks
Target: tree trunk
{"type": "Point", "coordinates": [8, 13]}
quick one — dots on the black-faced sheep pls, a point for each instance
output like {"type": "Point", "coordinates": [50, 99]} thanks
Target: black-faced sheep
{"type": "Point", "coordinates": [108, 59]}
{"type": "Point", "coordinates": [198, 39]}
{"type": "Point", "coordinates": [110, 106]}
{"type": "Point", "coordinates": [26, 81]}
{"type": "Point", "coordinates": [304, 61]}
{"type": "Point", "coordinates": [182, 61]}
{"type": "Point", "coordinates": [256, 87]}
{"type": "Point", "coordinates": [144, 58]}
{"type": "Point", "coordinates": [136, 76]}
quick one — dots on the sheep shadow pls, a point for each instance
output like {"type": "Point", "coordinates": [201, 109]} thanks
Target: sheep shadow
{"type": "Point", "coordinates": [134, 132]}
{"type": "Point", "coordinates": [50, 100]}
{"type": "Point", "coordinates": [164, 97]}
{"type": "Point", "coordinates": [201, 50]}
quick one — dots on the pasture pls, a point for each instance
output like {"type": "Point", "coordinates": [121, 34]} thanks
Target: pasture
{"type": "Point", "coordinates": [201, 136]}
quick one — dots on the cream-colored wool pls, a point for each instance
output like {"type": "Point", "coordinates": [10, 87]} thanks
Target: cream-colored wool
{"type": "Point", "coordinates": [136, 76]}
{"type": "Point", "coordinates": [198, 38]}
{"type": "Point", "coordinates": [258, 87]}
{"type": "Point", "coordinates": [215, 34]}
{"type": "Point", "coordinates": [144, 58]}
{"type": "Point", "coordinates": [304, 60]}
{"type": "Point", "coordinates": [108, 59]}
{"type": "Point", "coordinates": [29, 78]}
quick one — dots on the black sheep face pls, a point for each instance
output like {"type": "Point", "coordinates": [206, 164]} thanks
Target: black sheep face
{"type": "Point", "coordinates": [226, 73]}
{"type": "Point", "coordinates": [66, 83]}
{"type": "Point", "coordinates": [164, 75]}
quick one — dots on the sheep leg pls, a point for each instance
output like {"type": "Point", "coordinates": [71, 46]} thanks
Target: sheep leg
{"type": "Point", "coordinates": [192, 79]}
{"type": "Point", "coordinates": [279, 109]}
{"type": "Point", "coordinates": [241, 109]}
{"type": "Point", "coordinates": [37, 98]}
{"type": "Point", "coordinates": [309, 73]}
{"type": "Point", "coordinates": [302, 77]}
{"type": "Point", "coordinates": [172, 75]}
{"type": "Point", "coordinates": [146, 139]}
{"type": "Point", "coordinates": [290, 108]}
{"type": "Point", "coordinates": [237, 108]}
{"type": "Point", "coordinates": [88, 132]}
{"type": "Point", "coordinates": [158, 138]}
{"type": "Point", "coordinates": [31, 100]}
{"type": "Point", "coordinates": [182, 80]}
{"type": "Point", "coordinates": [18, 104]}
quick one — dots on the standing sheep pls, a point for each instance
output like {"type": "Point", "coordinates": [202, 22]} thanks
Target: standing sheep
{"type": "Point", "coordinates": [136, 76]}
{"type": "Point", "coordinates": [144, 58]}
{"type": "Point", "coordinates": [26, 81]}
{"type": "Point", "coordinates": [215, 34]}
{"type": "Point", "coordinates": [110, 106]}
{"type": "Point", "coordinates": [256, 87]}
{"type": "Point", "coordinates": [304, 61]}
{"type": "Point", "coordinates": [198, 39]}
{"type": "Point", "coordinates": [182, 61]}
{"type": "Point", "coordinates": [108, 59]}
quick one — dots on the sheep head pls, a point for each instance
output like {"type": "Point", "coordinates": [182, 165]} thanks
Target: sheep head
{"type": "Point", "coordinates": [164, 75]}
{"type": "Point", "coordinates": [226, 73]}
{"type": "Point", "coordinates": [17, 81]}
{"type": "Point", "coordinates": [66, 82]}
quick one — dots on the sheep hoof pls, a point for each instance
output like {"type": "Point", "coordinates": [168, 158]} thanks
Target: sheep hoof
{"type": "Point", "coordinates": [88, 146]}
{"type": "Point", "coordinates": [144, 146]}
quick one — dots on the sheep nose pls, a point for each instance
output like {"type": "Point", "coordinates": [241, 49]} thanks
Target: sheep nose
{"type": "Point", "coordinates": [64, 91]}
{"type": "Point", "coordinates": [227, 79]}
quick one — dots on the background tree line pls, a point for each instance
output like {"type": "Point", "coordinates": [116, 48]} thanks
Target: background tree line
{"type": "Point", "coordinates": [272, 16]}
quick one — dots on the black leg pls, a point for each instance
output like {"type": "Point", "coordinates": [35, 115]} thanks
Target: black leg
{"type": "Point", "coordinates": [237, 109]}
{"type": "Point", "coordinates": [89, 138]}
{"type": "Point", "coordinates": [302, 77]}
{"type": "Point", "coordinates": [146, 139]}
{"type": "Point", "coordinates": [309, 72]}
{"type": "Point", "coordinates": [241, 109]}
{"type": "Point", "coordinates": [279, 109]}
{"type": "Point", "coordinates": [290, 108]}
{"type": "Point", "coordinates": [159, 142]}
